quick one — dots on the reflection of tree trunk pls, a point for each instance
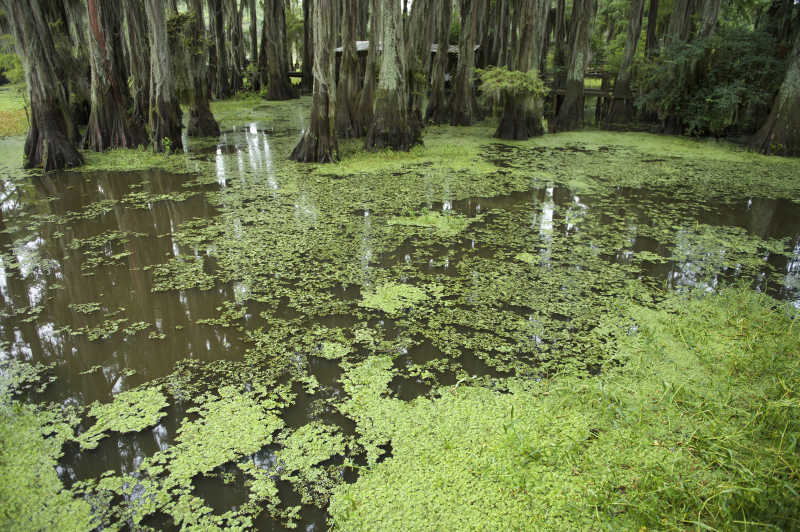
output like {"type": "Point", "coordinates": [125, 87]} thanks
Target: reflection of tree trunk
{"type": "Point", "coordinates": [319, 140]}
{"type": "Point", "coordinates": [570, 114]}
{"type": "Point", "coordinates": [392, 126]}
{"type": "Point", "coordinates": [622, 103]}
{"type": "Point", "coordinates": [111, 125]}
{"type": "Point", "coordinates": [52, 135]}
{"type": "Point", "coordinates": [164, 111]}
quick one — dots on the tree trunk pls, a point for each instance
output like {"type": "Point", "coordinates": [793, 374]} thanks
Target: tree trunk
{"type": "Point", "coordinates": [52, 135]}
{"type": "Point", "coordinates": [708, 18]}
{"type": "Point", "coordinates": [560, 36]}
{"type": "Point", "coordinates": [348, 123]}
{"type": "Point", "coordinates": [165, 123]}
{"type": "Point", "coordinates": [780, 134]}
{"type": "Point", "coordinates": [139, 53]}
{"type": "Point", "coordinates": [253, 35]}
{"type": "Point", "coordinates": [278, 85]}
{"type": "Point", "coordinates": [213, 62]}
{"type": "Point", "coordinates": [216, 18]}
{"type": "Point", "coordinates": [680, 25]}
{"type": "Point", "coordinates": [308, 46]}
{"type": "Point", "coordinates": [318, 144]}
{"type": "Point", "coordinates": [570, 115]}
{"type": "Point", "coordinates": [438, 110]}
{"type": "Point", "coordinates": [622, 102]}
{"type": "Point", "coordinates": [522, 115]}
{"type": "Point", "coordinates": [651, 43]}
{"type": "Point", "coordinates": [464, 106]}
{"type": "Point", "coordinates": [201, 120]}
{"type": "Point", "coordinates": [111, 124]}
{"type": "Point", "coordinates": [419, 38]}
{"type": "Point", "coordinates": [237, 45]}
{"type": "Point", "coordinates": [392, 126]}
{"type": "Point", "coordinates": [366, 99]}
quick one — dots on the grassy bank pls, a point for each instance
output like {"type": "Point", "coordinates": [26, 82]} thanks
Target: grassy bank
{"type": "Point", "coordinates": [13, 118]}
{"type": "Point", "coordinates": [697, 429]}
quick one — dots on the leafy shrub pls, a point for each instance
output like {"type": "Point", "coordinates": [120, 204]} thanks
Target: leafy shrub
{"type": "Point", "coordinates": [712, 86]}
{"type": "Point", "coordinates": [499, 82]}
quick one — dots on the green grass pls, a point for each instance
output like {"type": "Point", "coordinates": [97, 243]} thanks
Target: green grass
{"type": "Point", "coordinates": [13, 119]}
{"type": "Point", "coordinates": [697, 429]}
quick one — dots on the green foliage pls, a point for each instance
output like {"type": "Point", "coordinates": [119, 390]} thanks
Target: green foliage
{"type": "Point", "coordinates": [711, 87]}
{"type": "Point", "coordinates": [698, 427]}
{"type": "Point", "coordinates": [130, 411]}
{"type": "Point", "coordinates": [498, 82]}
{"type": "Point", "coordinates": [392, 297]}
{"type": "Point", "coordinates": [447, 225]}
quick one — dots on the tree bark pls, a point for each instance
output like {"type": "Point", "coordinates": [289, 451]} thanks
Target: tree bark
{"type": "Point", "coordinates": [780, 134]}
{"type": "Point", "coordinates": [165, 123]}
{"type": "Point", "coordinates": [708, 18]}
{"type": "Point", "coordinates": [438, 110]}
{"type": "Point", "coordinates": [570, 114]}
{"type": "Point", "coordinates": [651, 43]}
{"type": "Point", "coordinates": [278, 85]}
{"type": "Point", "coordinates": [234, 16]}
{"type": "Point", "coordinates": [307, 80]}
{"type": "Point", "coordinates": [201, 120]}
{"type": "Point", "coordinates": [139, 53]}
{"type": "Point", "coordinates": [348, 123]}
{"type": "Point", "coordinates": [253, 34]}
{"type": "Point", "coordinates": [366, 99]}
{"type": "Point", "coordinates": [318, 144]}
{"type": "Point", "coordinates": [111, 124]}
{"type": "Point", "coordinates": [393, 126]}
{"type": "Point", "coordinates": [522, 115]}
{"type": "Point", "coordinates": [464, 105]}
{"type": "Point", "coordinates": [216, 18]}
{"type": "Point", "coordinates": [622, 102]}
{"type": "Point", "coordinates": [419, 38]}
{"type": "Point", "coordinates": [52, 135]}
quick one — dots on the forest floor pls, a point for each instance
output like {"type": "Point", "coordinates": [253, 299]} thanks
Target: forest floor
{"type": "Point", "coordinates": [589, 330]}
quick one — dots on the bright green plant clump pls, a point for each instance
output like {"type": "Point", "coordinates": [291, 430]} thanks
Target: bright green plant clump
{"type": "Point", "coordinates": [697, 429]}
{"type": "Point", "coordinates": [130, 411]}
{"type": "Point", "coordinates": [392, 297]}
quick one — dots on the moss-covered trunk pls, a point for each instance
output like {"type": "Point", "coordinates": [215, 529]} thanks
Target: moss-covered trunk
{"type": "Point", "coordinates": [165, 123]}
{"type": "Point", "coordinates": [522, 115]}
{"type": "Point", "coordinates": [201, 120]}
{"type": "Point", "coordinates": [111, 122]}
{"type": "Point", "coordinates": [622, 102]}
{"type": "Point", "coordinates": [438, 110]}
{"type": "Point", "coordinates": [138, 46]}
{"type": "Point", "coordinates": [277, 59]}
{"type": "Point", "coordinates": [780, 134]}
{"type": "Point", "coordinates": [393, 126]}
{"type": "Point", "coordinates": [348, 122]}
{"type": "Point", "coordinates": [366, 98]}
{"type": "Point", "coordinates": [52, 135]}
{"type": "Point", "coordinates": [318, 144]}
{"type": "Point", "coordinates": [464, 106]}
{"type": "Point", "coordinates": [570, 113]}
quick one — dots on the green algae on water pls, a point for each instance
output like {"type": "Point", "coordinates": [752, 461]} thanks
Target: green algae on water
{"type": "Point", "coordinates": [130, 411]}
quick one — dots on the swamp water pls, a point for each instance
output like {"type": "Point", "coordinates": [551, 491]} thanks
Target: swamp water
{"type": "Point", "coordinates": [210, 328]}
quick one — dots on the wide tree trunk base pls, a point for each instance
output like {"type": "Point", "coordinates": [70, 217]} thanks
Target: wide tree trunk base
{"type": "Point", "coordinates": [780, 135]}
{"type": "Point", "coordinates": [570, 114]}
{"type": "Point", "coordinates": [519, 123]}
{"type": "Point", "coordinates": [47, 147]}
{"type": "Point", "coordinates": [202, 123]}
{"type": "Point", "coordinates": [621, 111]}
{"type": "Point", "coordinates": [111, 127]}
{"type": "Point", "coordinates": [391, 127]}
{"type": "Point", "coordinates": [280, 89]}
{"type": "Point", "coordinates": [312, 149]}
{"type": "Point", "coordinates": [437, 111]}
{"type": "Point", "coordinates": [166, 124]}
